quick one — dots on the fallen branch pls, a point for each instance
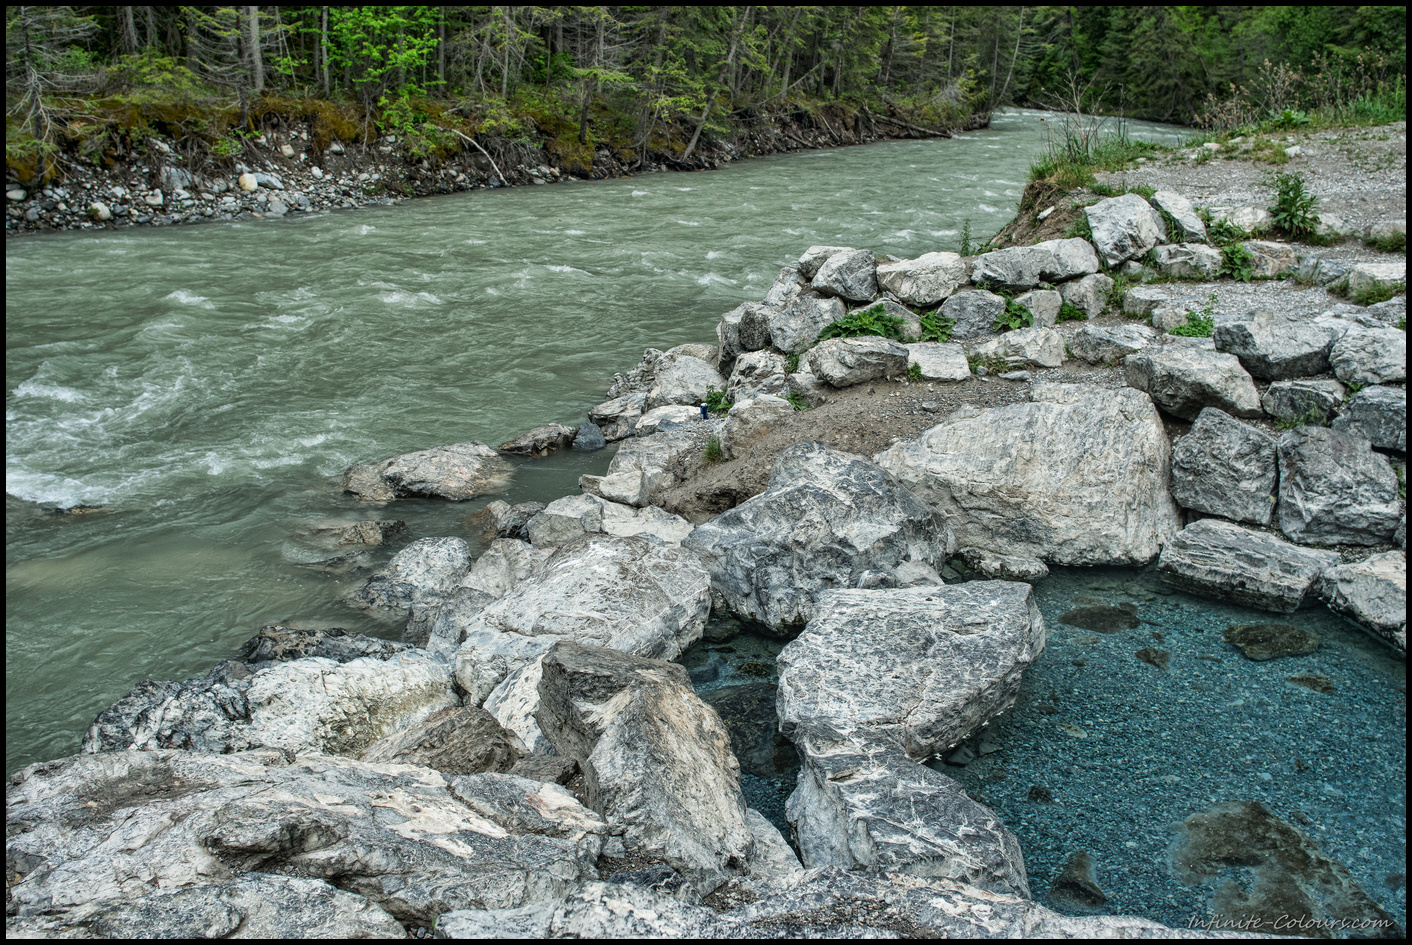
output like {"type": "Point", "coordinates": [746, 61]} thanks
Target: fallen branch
{"type": "Point", "coordinates": [472, 141]}
{"type": "Point", "coordinates": [942, 133]}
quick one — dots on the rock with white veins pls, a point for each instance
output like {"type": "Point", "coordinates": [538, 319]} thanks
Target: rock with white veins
{"type": "Point", "coordinates": [1025, 347]}
{"type": "Point", "coordinates": [796, 326]}
{"type": "Point", "coordinates": [827, 520]}
{"type": "Point", "coordinates": [923, 667]}
{"type": "Point", "coordinates": [1378, 414]}
{"type": "Point", "coordinates": [628, 594]}
{"type": "Point", "coordinates": [1374, 593]}
{"type": "Point", "coordinates": [1024, 267]}
{"type": "Point", "coordinates": [1079, 476]}
{"type": "Point", "coordinates": [683, 380]}
{"type": "Point", "coordinates": [1188, 261]}
{"type": "Point", "coordinates": [850, 274]}
{"type": "Point", "coordinates": [1182, 379]}
{"type": "Point", "coordinates": [1230, 562]}
{"type": "Point", "coordinates": [1334, 489]}
{"type": "Point", "coordinates": [1188, 225]}
{"type": "Point", "coordinates": [419, 574]}
{"type": "Point", "coordinates": [189, 845]}
{"type": "Point", "coordinates": [1277, 347]}
{"type": "Point", "coordinates": [1089, 293]}
{"type": "Point", "coordinates": [1225, 467]}
{"type": "Point", "coordinates": [843, 362]}
{"type": "Point", "coordinates": [926, 280]}
{"type": "Point", "coordinates": [1105, 344]}
{"type": "Point", "coordinates": [1370, 356]}
{"type": "Point", "coordinates": [939, 362]}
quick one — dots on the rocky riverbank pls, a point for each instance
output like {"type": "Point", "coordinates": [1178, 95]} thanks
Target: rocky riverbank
{"type": "Point", "coordinates": [529, 760]}
{"type": "Point", "coordinates": [282, 171]}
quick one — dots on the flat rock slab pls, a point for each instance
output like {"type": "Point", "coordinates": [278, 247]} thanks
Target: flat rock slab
{"type": "Point", "coordinates": [1124, 227]}
{"type": "Point", "coordinates": [1036, 346]}
{"type": "Point", "coordinates": [1268, 641]}
{"type": "Point", "coordinates": [926, 280]}
{"type": "Point", "coordinates": [1182, 379]}
{"type": "Point", "coordinates": [204, 842]}
{"type": "Point", "coordinates": [828, 519]}
{"type": "Point", "coordinates": [1077, 477]}
{"type": "Point", "coordinates": [869, 808]}
{"type": "Point", "coordinates": [1188, 261]}
{"type": "Point", "coordinates": [540, 441]}
{"type": "Point", "coordinates": [628, 594]}
{"type": "Point", "coordinates": [278, 643]}
{"type": "Point", "coordinates": [458, 472]}
{"type": "Point", "coordinates": [1308, 401]}
{"type": "Point", "coordinates": [1219, 559]}
{"type": "Point", "coordinates": [1374, 593]}
{"type": "Point", "coordinates": [796, 326]}
{"type": "Point", "coordinates": [1370, 356]}
{"type": "Point", "coordinates": [1225, 467]}
{"type": "Point", "coordinates": [1109, 344]}
{"type": "Point", "coordinates": [1276, 347]}
{"type": "Point", "coordinates": [617, 418]}
{"type": "Point", "coordinates": [1188, 225]}
{"type": "Point", "coordinates": [924, 667]}
{"type": "Point", "coordinates": [1334, 489]}
{"type": "Point", "coordinates": [657, 762]}
{"type": "Point", "coordinates": [939, 362]}
{"type": "Point", "coordinates": [1379, 415]}
{"type": "Point", "coordinates": [1023, 267]}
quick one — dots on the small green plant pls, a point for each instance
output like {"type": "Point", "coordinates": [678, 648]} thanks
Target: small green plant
{"type": "Point", "coordinates": [1392, 243]}
{"type": "Point", "coordinates": [966, 237]}
{"type": "Point", "coordinates": [1069, 312]}
{"type": "Point", "coordinates": [936, 326]}
{"type": "Point", "coordinates": [1080, 228]}
{"type": "Point", "coordinates": [1015, 316]}
{"type": "Point", "coordinates": [791, 363]}
{"type": "Point", "coordinates": [1121, 284]}
{"type": "Point", "coordinates": [1401, 481]}
{"type": "Point", "coordinates": [1372, 295]}
{"type": "Point", "coordinates": [1237, 262]}
{"type": "Point", "coordinates": [914, 371]}
{"type": "Point", "coordinates": [1293, 209]}
{"type": "Point", "coordinates": [717, 402]}
{"type": "Point", "coordinates": [713, 453]}
{"type": "Point", "coordinates": [1402, 323]}
{"type": "Point", "coordinates": [797, 401]}
{"type": "Point", "coordinates": [1223, 232]}
{"type": "Point", "coordinates": [993, 364]}
{"type": "Point", "coordinates": [1354, 387]}
{"type": "Point", "coordinates": [868, 321]}
{"type": "Point", "coordinates": [1313, 417]}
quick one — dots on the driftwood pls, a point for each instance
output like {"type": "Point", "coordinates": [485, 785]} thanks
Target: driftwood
{"type": "Point", "coordinates": [472, 141]}
{"type": "Point", "coordinates": [940, 133]}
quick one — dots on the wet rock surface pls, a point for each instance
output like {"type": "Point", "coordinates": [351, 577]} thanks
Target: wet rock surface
{"type": "Point", "coordinates": [1267, 641]}
{"type": "Point", "coordinates": [1254, 568]}
{"type": "Point", "coordinates": [457, 472]}
{"type": "Point", "coordinates": [1374, 593]}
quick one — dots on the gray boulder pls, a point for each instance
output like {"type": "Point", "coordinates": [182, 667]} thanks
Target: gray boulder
{"type": "Point", "coordinates": [803, 383]}
{"type": "Point", "coordinates": [277, 643]}
{"type": "Point", "coordinates": [1089, 293]}
{"type": "Point", "coordinates": [850, 274]}
{"type": "Point", "coordinates": [589, 437]}
{"type": "Point", "coordinates": [816, 256]}
{"type": "Point", "coordinates": [1269, 258]}
{"type": "Point", "coordinates": [738, 331]}
{"type": "Point", "coordinates": [1144, 300]}
{"type": "Point", "coordinates": [1108, 344]}
{"type": "Point", "coordinates": [1334, 489]}
{"type": "Point", "coordinates": [796, 326]}
{"type": "Point", "coordinates": [195, 845]}
{"type": "Point", "coordinates": [1249, 219]}
{"type": "Point", "coordinates": [1095, 492]}
{"type": "Point", "coordinates": [751, 420]}
{"type": "Point", "coordinates": [1377, 276]}
{"type": "Point", "coordinates": [758, 372]}
{"type": "Point", "coordinates": [618, 417]}
{"type": "Point", "coordinates": [1374, 593]}
{"type": "Point", "coordinates": [1276, 347]}
{"type": "Point", "coordinates": [1044, 305]}
{"type": "Point", "coordinates": [357, 533]}
{"type": "Point", "coordinates": [827, 520]}
{"type": "Point", "coordinates": [1182, 379]}
{"type": "Point", "coordinates": [1188, 261]}
{"type": "Point", "coordinates": [1229, 562]}
{"type": "Point", "coordinates": [939, 362]}
{"type": "Point", "coordinates": [921, 667]}
{"type": "Point", "coordinates": [843, 362]}
{"type": "Point", "coordinates": [1124, 227]}
{"type": "Point", "coordinates": [868, 807]}
{"type": "Point", "coordinates": [1023, 267]}
{"type": "Point", "coordinates": [628, 594]}
{"type": "Point", "coordinates": [1189, 227]}
{"type": "Point", "coordinates": [1370, 356]}
{"type": "Point", "coordinates": [504, 564]}
{"type": "Point", "coordinates": [1225, 467]}
{"type": "Point", "coordinates": [648, 461]}
{"type": "Point", "coordinates": [668, 417]}
{"type": "Point", "coordinates": [1378, 414]}
{"type": "Point", "coordinates": [565, 519]}
{"type": "Point", "coordinates": [683, 380]}
{"type": "Point", "coordinates": [656, 761]}
{"type": "Point", "coordinates": [418, 574]}
{"type": "Point", "coordinates": [455, 740]}
{"type": "Point", "coordinates": [457, 472]}
{"type": "Point", "coordinates": [1024, 347]}
{"type": "Point", "coordinates": [1313, 270]}
{"type": "Point", "coordinates": [926, 280]}
{"type": "Point", "coordinates": [1304, 400]}
{"type": "Point", "coordinates": [540, 441]}
{"type": "Point", "coordinates": [973, 312]}
{"type": "Point", "coordinates": [786, 287]}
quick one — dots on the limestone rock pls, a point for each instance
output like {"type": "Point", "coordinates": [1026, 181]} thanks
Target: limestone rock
{"type": "Point", "coordinates": [828, 519]}
{"type": "Point", "coordinates": [456, 740]}
{"type": "Point", "coordinates": [926, 280]}
{"type": "Point", "coordinates": [657, 763]}
{"type": "Point", "coordinates": [1305, 400]}
{"type": "Point", "coordinates": [843, 362]}
{"type": "Point", "coordinates": [193, 845]}
{"type": "Point", "coordinates": [816, 256]}
{"type": "Point", "coordinates": [651, 458]}
{"type": "Point", "coordinates": [1077, 477]}
{"type": "Point", "coordinates": [358, 533]}
{"type": "Point", "coordinates": [422, 572]}
{"type": "Point", "coordinates": [1269, 258]}
{"type": "Point", "coordinates": [1278, 347]}
{"type": "Point", "coordinates": [1334, 489]}
{"type": "Point", "coordinates": [1378, 414]}
{"type": "Point", "coordinates": [920, 667]}
{"type": "Point", "coordinates": [667, 417]}
{"type": "Point", "coordinates": [1225, 467]}
{"type": "Point", "coordinates": [626, 488]}
{"type": "Point", "coordinates": [1144, 300]}
{"type": "Point", "coordinates": [504, 564]}
{"type": "Point", "coordinates": [618, 418]}
{"type": "Point", "coordinates": [279, 644]}
{"type": "Point", "coordinates": [628, 594]}
{"type": "Point", "coordinates": [1189, 227]}
{"type": "Point", "coordinates": [804, 384]}
{"type": "Point", "coordinates": [939, 362]}
{"type": "Point", "coordinates": [1370, 356]}
{"type": "Point", "coordinates": [1249, 219]}
{"type": "Point", "coordinates": [992, 566]}
{"type": "Point", "coordinates": [1024, 347]}
{"type": "Point", "coordinates": [786, 287]}
{"type": "Point", "coordinates": [1023, 267]}
{"type": "Point", "coordinates": [1089, 293]}
{"type": "Point", "coordinates": [1044, 305]}
{"type": "Point", "coordinates": [1105, 344]}
{"type": "Point", "coordinates": [973, 312]}
{"type": "Point", "coordinates": [796, 326]}
{"type": "Point", "coordinates": [540, 441]}
{"type": "Point", "coordinates": [1124, 227]}
{"type": "Point", "coordinates": [457, 472]}
{"type": "Point", "coordinates": [1376, 276]}
{"type": "Point", "coordinates": [565, 519]}
{"type": "Point", "coordinates": [1182, 379]}
{"type": "Point", "coordinates": [749, 420]}
{"type": "Point", "coordinates": [683, 380]}
{"type": "Point", "coordinates": [589, 438]}
{"type": "Point", "coordinates": [1188, 261]}
{"type": "Point", "coordinates": [1254, 568]}
{"type": "Point", "coordinates": [514, 702]}
{"type": "Point", "coordinates": [754, 372]}
{"type": "Point", "coordinates": [850, 274]}
{"type": "Point", "coordinates": [746, 328]}
{"type": "Point", "coordinates": [1374, 593]}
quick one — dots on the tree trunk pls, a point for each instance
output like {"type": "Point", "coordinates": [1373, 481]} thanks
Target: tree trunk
{"type": "Point", "coordinates": [257, 65]}
{"type": "Point", "coordinates": [323, 48]}
{"type": "Point", "coordinates": [129, 30]}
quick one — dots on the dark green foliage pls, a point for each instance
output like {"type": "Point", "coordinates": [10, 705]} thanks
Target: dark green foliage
{"type": "Point", "coordinates": [1224, 233]}
{"type": "Point", "coordinates": [717, 402]}
{"type": "Point", "coordinates": [966, 237]}
{"type": "Point", "coordinates": [936, 326]}
{"type": "Point", "coordinates": [868, 321]}
{"type": "Point", "coordinates": [1237, 262]}
{"type": "Point", "coordinates": [791, 363]}
{"type": "Point", "coordinates": [1402, 322]}
{"type": "Point", "coordinates": [914, 372]}
{"type": "Point", "coordinates": [1014, 316]}
{"type": "Point", "coordinates": [1374, 294]}
{"type": "Point", "coordinates": [1293, 208]}
{"type": "Point", "coordinates": [1313, 417]}
{"type": "Point", "coordinates": [1394, 243]}
{"type": "Point", "coordinates": [797, 401]}
{"type": "Point", "coordinates": [1071, 313]}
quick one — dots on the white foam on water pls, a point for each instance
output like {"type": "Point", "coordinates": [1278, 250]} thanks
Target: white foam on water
{"type": "Point", "coordinates": [641, 193]}
{"type": "Point", "coordinates": [365, 229]}
{"type": "Point", "coordinates": [189, 298]}
{"type": "Point", "coordinates": [989, 193]}
{"type": "Point", "coordinates": [574, 232]}
{"type": "Point", "coordinates": [712, 278]}
{"type": "Point", "coordinates": [491, 290]}
{"type": "Point", "coordinates": [476, 242]}
{"type": "Point", "coordinates": [408, 298]}
{"type": "Point", "coordinates": [713, 254]}
{"type": "Point", "coordinates": [688, 223]}
{"type": "Point", "coordinates": [33, 388]}
{"type": "Point", "coordinates": [288, 321]}
{"type": "Point", "coordinates": [986, 208]}
{"type": "Point", "coordinates": [945, 232]}
{"type": "Point", "coordinates": [565, 269]}
{"type": "Point", "coordinates": [684, 189]}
